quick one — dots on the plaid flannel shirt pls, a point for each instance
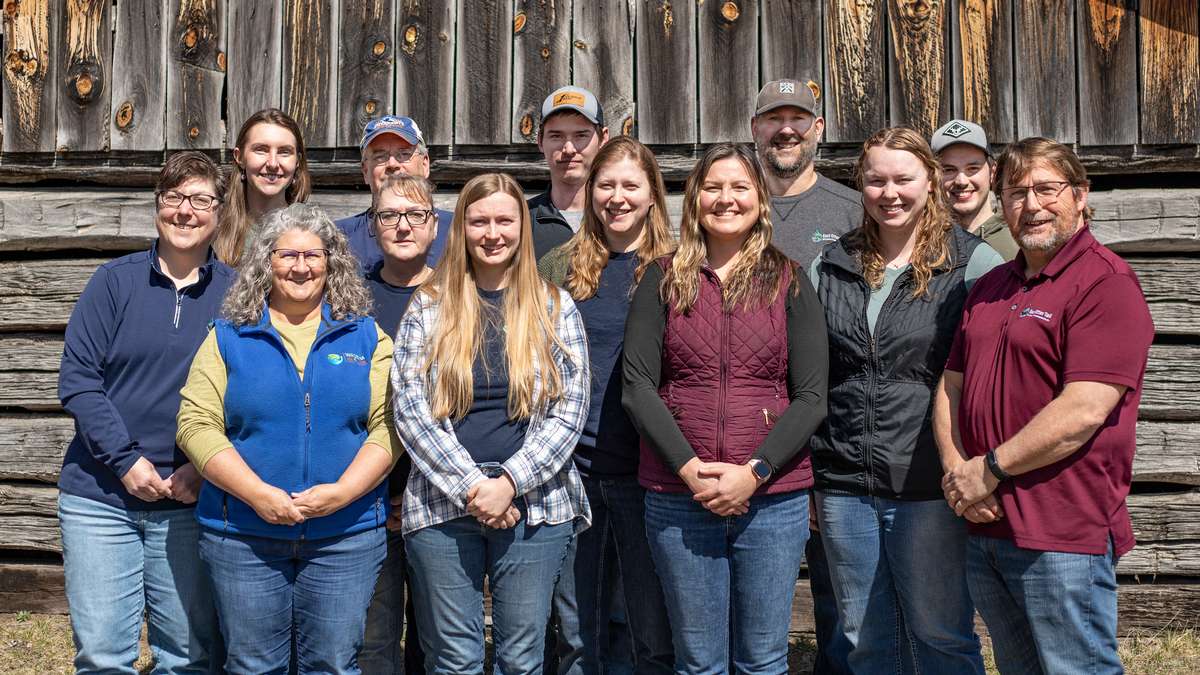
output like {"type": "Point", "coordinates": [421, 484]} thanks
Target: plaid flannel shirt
{"type": "Point", "coordinates": [541, 469]}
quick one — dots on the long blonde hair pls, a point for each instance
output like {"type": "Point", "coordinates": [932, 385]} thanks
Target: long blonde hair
{"type": "Point", "coordinates": [587, 251]}
{"type": "Point", "coordinates": [235, 219]}
{"type": "Point", "coordinates": [932, 248]}
{"type": "Point", "coordinates": [530, 316]}
{"type": "Point", "coordinates": [760, 270]}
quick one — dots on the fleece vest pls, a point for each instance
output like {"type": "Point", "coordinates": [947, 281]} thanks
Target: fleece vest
{"type": "Point", "coordinates": [724, 379]}
{"type": "Point", "coordinates": [295, 433]}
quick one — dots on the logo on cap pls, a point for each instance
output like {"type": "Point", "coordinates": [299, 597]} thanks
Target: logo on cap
{"type": "Point", "coordinates": [569, 98]}
{"type": "Point", "coordinates": [787, 87]}
{"type": "Point", "coordinates": [957, 130]}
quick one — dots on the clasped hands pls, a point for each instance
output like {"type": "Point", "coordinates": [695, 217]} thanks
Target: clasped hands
{"type": "Point", "coordinates": [722, 488]}
{"type": "Point", "coordinates": [279, 507]}
{"type": "Point", "coordinates": [491, 502]}
{"type": "Point", "coordinates": [142, 481]}
{"type": "Point", "coordinates": [968, 488]}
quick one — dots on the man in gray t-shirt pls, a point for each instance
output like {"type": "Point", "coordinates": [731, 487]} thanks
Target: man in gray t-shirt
{"type": "Point", "coordinates": [808, 210]}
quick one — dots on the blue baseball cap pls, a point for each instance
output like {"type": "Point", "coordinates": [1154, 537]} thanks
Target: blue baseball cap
{"type": "Point", "coordinates": [403, 127]}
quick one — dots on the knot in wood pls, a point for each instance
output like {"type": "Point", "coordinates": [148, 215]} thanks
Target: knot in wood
{"type": "Point", "coordinates": [915, 14]}
{"type": "Point", "coordinates": [668, 19]}
{"type": "Point", "coordinates": [31, 67]}
{"type": "Point", "coordinates": [221, 61]}
{"type": "Point", "coordinates": [545, 53]}
{"type": "Point", "coordinates": [527, 125]}
{"type": "Point", "coordinates": [193, 132]}
{"type": "Point", "coordinates": [12, 7]}
{"type": "Point", "coordinates": [627, 126]}
{"type": "Point", "coordinates": [371, 106]}
{"type": "Point", "coordinates": [379, 48]}
{"type": "Point", "coordinates": [190, 38]}
{"type": "Point", "coordinates": [83, 85]}
{"type": "Point", "coordinates": [410, 39]}
{"type": "Point", "coordinates": [519, 22]}
{"type": "Point", "coordinates": [730, 11]}
{"type": "Point", "coordinates": [443, 36]}
{"type": "Point", "coordinates": [580, 44]}
{"type": "Point", "coordinates": [124, 115]}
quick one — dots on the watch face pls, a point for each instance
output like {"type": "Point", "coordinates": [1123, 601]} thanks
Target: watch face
{"type": "Point", "coordinates": [761, 469]}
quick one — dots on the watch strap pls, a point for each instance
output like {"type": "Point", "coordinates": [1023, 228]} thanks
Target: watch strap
{"type": "Point", "coordinates": [993, 465]}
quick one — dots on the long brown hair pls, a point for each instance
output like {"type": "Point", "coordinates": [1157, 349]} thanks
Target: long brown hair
{"type": "Point", "coordinates": [235, 219]}
{"type": "Point", "coordinates": [588, 251]}
{"type": "Point", "coordinates": [530, 331]}
{"type": "Point", "coordinates": [758, 274]}
{"type": "Point", "coordinates": [932, 248]}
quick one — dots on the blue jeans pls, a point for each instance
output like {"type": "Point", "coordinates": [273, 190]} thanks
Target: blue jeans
{"type": "Point", "coordinates": [1047, 612]}
{"type": "Point", "coordinates": [897, 564]}
{"type": "Point", "coordinates": [728, 581]}
{"type": "Point", "coordinates": [833, 648]}
{"type": "Point", "coordinates": [615, 545]}
{"type": "Point", "coordinates": [271, 591]}
{"type": "Point", "coordinates": [448, 563]}
{"type": "Point", "coordinates": [120, 562]}
{"type": "Point", "coordinates": [381, 652]}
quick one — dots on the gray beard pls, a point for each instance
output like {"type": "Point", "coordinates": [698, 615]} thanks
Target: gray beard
{"type": "Point", "coordinates": [780, 170]}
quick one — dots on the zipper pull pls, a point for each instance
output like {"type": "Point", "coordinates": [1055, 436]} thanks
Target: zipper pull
{"type": "Point", "coordinates": [307, 412]}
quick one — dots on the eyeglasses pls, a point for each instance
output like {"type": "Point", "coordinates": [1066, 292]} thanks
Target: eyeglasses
{"type": "Point", "coordinates": [199, 201]}
{"type": "Point", "coordinates": [391, 219]}
{"type": "Point", "coordinates": [1044, 192]}
{"type": "Point", "coordinates": [289, 257]}
{"type": "Point", "coordinates": [401, 156]}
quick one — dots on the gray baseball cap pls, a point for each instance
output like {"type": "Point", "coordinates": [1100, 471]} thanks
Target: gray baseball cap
{"type": "Point", "coordinates": [959, 131]}
{"type": "Point", "coordinates": [576, 99]}
{"type": "Point", "coordinates": [778, 93]}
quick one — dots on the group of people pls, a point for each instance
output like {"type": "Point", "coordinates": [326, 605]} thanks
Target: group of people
{"type": "Point", "coordinates": [303, 445]}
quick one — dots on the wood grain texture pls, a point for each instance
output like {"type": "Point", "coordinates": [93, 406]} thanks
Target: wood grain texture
{"type": "Point", "coordinates": [1172, 289]}
{"type": "Point", "coordinates": [728, 48]}
{"type": "Point", "coordinates": [1138, 221]}
{"type": "Point", "coordinates": [425, 66]}
{"type": "Point", "coordinates": [255, 75]}
{"type": "Point", "coordinates": [310, 69]}
{"type": "Point", "coordinates": [541, 61]}
{"type": "Point", "coordinates": [85, 63]}
{"type": "Point", "coordinates": [1177, 558]}
{"type": "Point", "coordinates": [30, 73]}
{"type": "Point", "coordinates": [32, 587]}
{"type": "Point", "coordinates": [39, 295]}
{"type": "Point", "coordinates": [1171, 382]}
{"type": "Point", "coordinates": [1167, 452]}
{"type": "Point", "coordinates": [790, 39]}
{"type": "Point", "coordinates": [366, 66]}
{"type": "Point", "coordinates": [195, 74]}
{"type": "Point", "coordinates": [34, 447]}
{"type": "Point", "coordinates": [29, 371]}
{"type": "Point", "coordinates": [1165, 516]}
{"type": "Point", "coordinates": [983, 66]}
{"type": "Point", "coordinates": [1045, 43]}
{"type": "Point", "coordinates": [918, 64]}
{"type": "Point", "coordinates": [1107, 53]}
{"type": "Point", "coordinates": [139, 86]}
{"type": "Point", "coordinates": [854, 70]}
{"type": "Point", "coordinates": [1170, 71]}
{"type": "Point", "coordinates": [1154, 607]}
{"type": "Point", "coordinates": [602, 61]}
{"type": "Point", "coordinates": [483, 93]}
{"type": "Point", "coordinates": [666, 72]}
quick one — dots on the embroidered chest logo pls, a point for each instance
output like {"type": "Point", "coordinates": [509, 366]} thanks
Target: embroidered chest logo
{"type": "Point", "coordinates": [347, 358]}
{"type": "Point", "coordinates": [1037, 314]}
{"type": "Point", "coordinates": [819, 236]}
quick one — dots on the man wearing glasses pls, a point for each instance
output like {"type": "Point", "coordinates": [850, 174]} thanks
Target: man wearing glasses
{"type": "Point", "coordinates": [1035, 418]}
{"type": "Point", "coordinates": [390, 145]}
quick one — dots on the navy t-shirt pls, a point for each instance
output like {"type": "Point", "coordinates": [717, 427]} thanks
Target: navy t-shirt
{"type": "Point", "coordinates": [486, 431]}
{"type": "Point", "coordinates": [390, 301]}
{"type": "Point", "coordinates": [609, 443]}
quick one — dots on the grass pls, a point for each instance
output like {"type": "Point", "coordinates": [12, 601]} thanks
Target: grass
{"type": "Point", "coordinates": [41, 644]}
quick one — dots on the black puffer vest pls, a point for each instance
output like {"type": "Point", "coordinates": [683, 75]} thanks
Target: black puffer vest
{"type": "Point", "coordinates": [878, 437]}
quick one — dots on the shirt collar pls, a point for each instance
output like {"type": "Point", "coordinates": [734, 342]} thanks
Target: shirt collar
{"type": "Point", "coordinates": [205, 267]}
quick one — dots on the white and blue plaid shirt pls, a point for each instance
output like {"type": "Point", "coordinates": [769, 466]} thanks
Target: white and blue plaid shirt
{"type": "Point", "coordinates": [542, 469]}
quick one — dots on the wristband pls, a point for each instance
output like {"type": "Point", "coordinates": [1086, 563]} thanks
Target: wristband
{"type": "Point", "coordinates": [993, 465]}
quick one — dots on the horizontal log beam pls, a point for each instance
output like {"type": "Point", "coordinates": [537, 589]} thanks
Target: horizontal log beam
{"type": "Point", "coordinates": [1172, 289]}
{"type": "Point", "coordinates": [1177, 558]}
{"type": "Point", "coordinates": [1171, 382]}
{"type": "Point", "coordinates": [1167, 452]}
{"type": "Point", "coordinates": [1165, 517]}
{"type": "Point", "coordinates": [32, 587]}
{"type": "Point", "coordinates": [32, 446]}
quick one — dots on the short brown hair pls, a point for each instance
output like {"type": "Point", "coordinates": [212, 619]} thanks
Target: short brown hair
{"type": "Point", "coordinates": [183, 166]}
{"type": "Point", "coordinates": [1020, 158]}
{"type": "Point", "coordinates": [416, 188]}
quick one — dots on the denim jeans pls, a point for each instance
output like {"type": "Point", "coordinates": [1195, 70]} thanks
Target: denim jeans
{"type": "Point", "coordinates": [832, 646]}
{"type": "Point", "coordinates": [270, 592]}
{"type": "Point", "coordinates": [1047, 612]}
{"type": "Point", "coordinates": [448, 563]}
{"type": "Point", "coordinates": [614, 546]}
{"type": "Point", "coordinates": [390, 618]}
{"type": "Point", "coordinates": [120, 562]}
{"type": "Point", "coordinates": [728, 581]}
{"type": "Point", "coordinates": [897, 564]}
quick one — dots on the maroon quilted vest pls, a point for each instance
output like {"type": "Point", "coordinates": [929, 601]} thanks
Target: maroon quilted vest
{"type": "Point", "coordinates": [724, 378]}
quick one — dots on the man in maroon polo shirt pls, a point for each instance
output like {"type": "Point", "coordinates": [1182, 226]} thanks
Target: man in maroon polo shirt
{"type": "Point", "coordinates": [1035, 421]}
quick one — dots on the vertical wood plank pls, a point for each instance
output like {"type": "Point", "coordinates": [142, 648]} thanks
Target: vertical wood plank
{"type": "Point", "coordinates": [917, 64]}
{"type": "Point", "coordinates": [1045, 45]}
{"type": "Point", "coordinates": [854, 69]}
{"type": "Point", "coordinates": [1108, 107]}
{"type": "Point", "coordinates": [30, 71]}
{"type": "Point", "coordinates": [728, 35]}
{"type": "Point", "coordinates": [84, 53]}
{"type": "Point", "coordinates": [791, 42]}
{"type": "Point", "coordinates": [541, 61]}
{"type": "Point", "coordinates": [603, 58]}
{"type": "Point", "coordinates": [425, 70]}
{"type": "Point", "coordinates": [666, 71]}
{"type": "Point", "coordinates": [139, 85]}
{"type": "Point", "coordinates": [1170, 72]}
{"type": "Point", "coordinates": [195, 74]}
{"type": "Point", "coordinates": [982, 66]}
{"type": "Point", "coordinates": [309, 69]}
{"type": "Point", "coordinates": [366, 63]}
{"type": "Point", "coordinates": [255, 73]}
{"type": "Point", "coordinates": [483, 95]}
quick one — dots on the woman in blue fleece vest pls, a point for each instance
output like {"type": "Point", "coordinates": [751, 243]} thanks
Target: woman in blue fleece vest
{"type": "Point", "coordinates": [285, 415]}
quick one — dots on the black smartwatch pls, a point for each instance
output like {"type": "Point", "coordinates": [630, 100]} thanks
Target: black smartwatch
{"type": "Point", "coordinates": [994, 466]}
{"type": "Point", "coordinates": [762, 470]}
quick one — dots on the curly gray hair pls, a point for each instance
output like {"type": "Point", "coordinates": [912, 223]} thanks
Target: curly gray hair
{"type": "Point", "coordinates": [344, 289]}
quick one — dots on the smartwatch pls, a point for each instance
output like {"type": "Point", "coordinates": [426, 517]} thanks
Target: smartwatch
{"type": "Point", "coordinates": [994, 466]}
{"type": "Point", "coordinates": [762, 470]}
